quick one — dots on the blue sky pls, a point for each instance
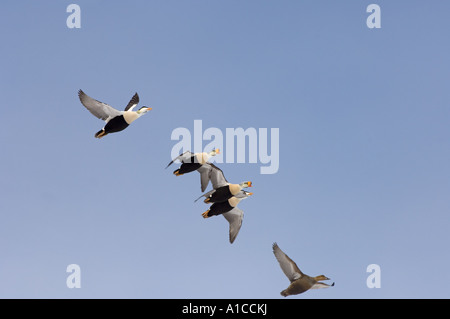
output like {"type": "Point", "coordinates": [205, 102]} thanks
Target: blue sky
{"type": "Point", "coordinates": [363, 116]}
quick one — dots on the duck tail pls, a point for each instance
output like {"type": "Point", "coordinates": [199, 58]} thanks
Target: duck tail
{"type": "Point", "coordinates": [100, 133]}
{"type": "Point", "coordinates": [177, 172]}
{"type": "Point", "coordinates": [205, 214]}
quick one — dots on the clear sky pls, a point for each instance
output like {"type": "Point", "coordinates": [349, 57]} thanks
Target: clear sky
{"type": "Point", "coordinates": [363, 117]}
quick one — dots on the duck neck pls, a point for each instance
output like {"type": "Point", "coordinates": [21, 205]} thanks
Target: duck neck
{"type": "Point", "coordinates": [131, 116]}
{"type": "Point", "coordinates": [233, 201]}
{"type": "Point", "coordinates": [235, 188]}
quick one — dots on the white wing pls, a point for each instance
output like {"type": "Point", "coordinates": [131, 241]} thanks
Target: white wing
{"type": "Point", "coordinates": [99, 109]}
{"type": "Point", "coordinates": [234, 217]}
{"type": "Point", "coordinates": [288, 266]}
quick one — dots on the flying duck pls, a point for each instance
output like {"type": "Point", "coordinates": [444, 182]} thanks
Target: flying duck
{"type": "Point", "coordinates": [226, 206]}
{"type": "Point", "coordinates": [195, 162]}
{"type": "Point", "coordinates": [299, 281]}
{"type": "Point", "coordinates": [232, 214]}
{"type": "Point", "coordinates": [116, 120]}
{"type": "Point", "coordinates": [222, 189]}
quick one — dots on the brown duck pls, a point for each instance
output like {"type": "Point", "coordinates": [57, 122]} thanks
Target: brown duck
{"type": "Point", "coordinates": [300, 282]}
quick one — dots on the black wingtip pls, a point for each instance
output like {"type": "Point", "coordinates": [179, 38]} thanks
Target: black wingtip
{"type": "Point", "coordinates": [134, 101]}
{"type": "Point", "coordinates": [169, 164]}
{"type": "Point", "coordinates": [81, 95]}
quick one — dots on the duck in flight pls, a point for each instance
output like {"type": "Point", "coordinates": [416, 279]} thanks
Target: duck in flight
{"type": "Point", "coordinates": [230, 211]}
{"type": "Point", "coordinates": [222, 189]}
{"type": "Point", "coordinates": [226, 206]}
{"type": "Point", "coordinates": [300, 282]}
{"type": "Point", "coordinates": [195, 162]}
{"type": "Point", "coordinates": [116, 120]}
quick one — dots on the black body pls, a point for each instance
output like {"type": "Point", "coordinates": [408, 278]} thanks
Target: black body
{"type": "Point", "coordinates": [116, 124]}
{"type": "Point", "coordinates": [219, 208]}
{"type": "Point", "coordinates": [188, 167]}
{"type": "Point", "coordinates": [220, 195]}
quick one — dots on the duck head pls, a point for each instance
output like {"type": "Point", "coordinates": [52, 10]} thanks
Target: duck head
{"type": "Point", "coordinates": [321, 277]}
{"type": "Point", "coordinates": [143, 110]}
{"type": "Point", "coordinates": [214, 152]}
{"type": "Point", "coordinates": [246, 194]}
{"type": "Point", "coordinates": [238, 197]}
{"type": "Point", "coordinates": [245, 184]}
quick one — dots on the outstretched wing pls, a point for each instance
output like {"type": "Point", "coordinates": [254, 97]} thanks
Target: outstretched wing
{"type": "Point", "coordinates": [288, 266]}
{"type": "Point", "coordinates": [205, 173]}
{"type": "Point", "coordinates": [217, 177]}
{"type": "Point", "coordinates": [210, 172]}
{"type": "Point", "coordinates": [234, 217]}
{"type": "Point", "coordinates": [133, 102]}
{"type": "Point", "coordinates": [183, 157]}
{"type": "Point", "coordinates": [99, 109]}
